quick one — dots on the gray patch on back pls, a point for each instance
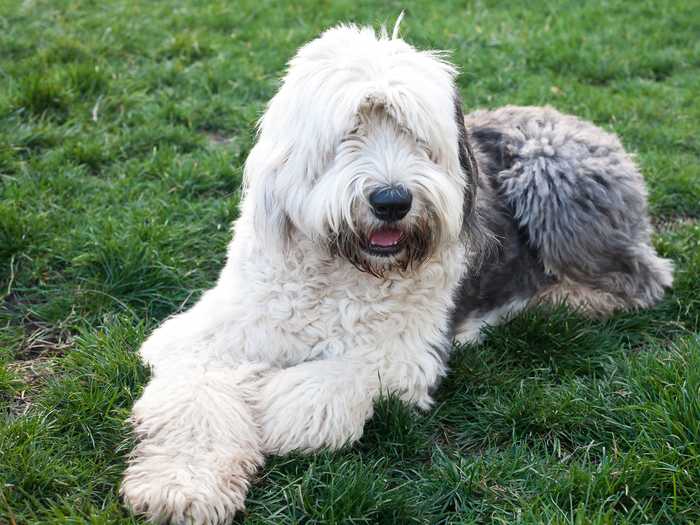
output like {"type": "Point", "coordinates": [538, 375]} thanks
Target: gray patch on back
{"type": "Point", "coordinates": [567, 204]}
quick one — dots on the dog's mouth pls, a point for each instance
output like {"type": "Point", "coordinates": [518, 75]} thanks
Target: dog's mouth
{"type": "Point", "coordinates": [385, 242]}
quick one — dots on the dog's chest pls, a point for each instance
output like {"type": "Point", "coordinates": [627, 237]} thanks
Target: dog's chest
{"type": "Point", "coordinates": [322, 309]}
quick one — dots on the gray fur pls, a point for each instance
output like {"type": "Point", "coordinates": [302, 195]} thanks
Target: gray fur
{"type": "Point", "coordinates": [568, 208]}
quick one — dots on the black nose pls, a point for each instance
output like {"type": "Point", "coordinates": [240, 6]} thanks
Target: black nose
{"type": "Point", "coordinates": [391, 204]}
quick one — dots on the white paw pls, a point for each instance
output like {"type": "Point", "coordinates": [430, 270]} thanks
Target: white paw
{"type": "Point", "coordinates": [182, 490]}
{"type": "Point", "coordinates": [312, 406]}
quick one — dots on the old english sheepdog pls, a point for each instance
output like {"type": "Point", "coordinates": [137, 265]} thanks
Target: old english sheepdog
{"type": "Point", "coordinates": [378, 225]}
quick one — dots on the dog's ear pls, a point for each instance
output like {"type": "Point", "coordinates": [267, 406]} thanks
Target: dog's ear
{"type": "Point", "coordinates": [271, 223]}
{"type": "Point", "coordinates": [467, 161]}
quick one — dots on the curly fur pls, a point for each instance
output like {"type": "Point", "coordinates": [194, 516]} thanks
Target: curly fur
{"type": "Point", "coordinates": [305, 327]}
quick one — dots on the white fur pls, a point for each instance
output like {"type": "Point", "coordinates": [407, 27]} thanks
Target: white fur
{"type": "Point", "coordinates": [293, 345]}
{"type": "Point", "coordinates": [470, 331]}
{"type": "Point", "coordinates": [332, 84]}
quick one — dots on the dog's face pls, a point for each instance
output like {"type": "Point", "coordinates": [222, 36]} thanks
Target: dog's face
{"type": "Point", "coordinates": [385, 201]}
{"type": "Point", "coordinates": [364, 151]}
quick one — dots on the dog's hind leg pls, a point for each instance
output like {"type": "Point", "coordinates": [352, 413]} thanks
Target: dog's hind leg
{"type": "Point", "coordinates": [579, 201]}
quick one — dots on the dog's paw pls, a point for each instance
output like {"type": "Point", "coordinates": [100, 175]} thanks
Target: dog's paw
{"type": "Point", "coordinates": [319, 404]}
{"type": "Point", "coordinates": [167, 489]}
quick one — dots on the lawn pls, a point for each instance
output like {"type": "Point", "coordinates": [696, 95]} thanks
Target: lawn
{"type": "Point", "coordinates": [123, 129]}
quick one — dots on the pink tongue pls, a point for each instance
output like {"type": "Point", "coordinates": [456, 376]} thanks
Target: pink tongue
{"type": "Point", "coordinates": [385, 237]}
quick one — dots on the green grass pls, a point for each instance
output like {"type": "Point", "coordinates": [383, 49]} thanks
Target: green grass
{"type": "Point", "coordinates": [123, 128]}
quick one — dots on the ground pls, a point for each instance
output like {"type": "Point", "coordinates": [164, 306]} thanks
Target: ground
{"type": "Point", "coordinates": [123, 128]}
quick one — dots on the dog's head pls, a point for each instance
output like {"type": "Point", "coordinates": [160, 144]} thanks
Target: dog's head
{"type": "Point", "coordinates": [363, 149]}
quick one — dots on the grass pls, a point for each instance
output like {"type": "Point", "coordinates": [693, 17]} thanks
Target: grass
{"type": "Point", "coordinates": [123, 128]}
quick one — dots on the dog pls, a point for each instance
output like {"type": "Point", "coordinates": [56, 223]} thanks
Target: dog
{"type": "Point", "coordinates": [378, 226]}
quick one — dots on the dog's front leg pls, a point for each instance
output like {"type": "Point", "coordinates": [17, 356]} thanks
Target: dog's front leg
{"type": "Point", "coordinates": [198, 446]}
{"type": "Point", "coordinates": [316, 404]}
{"type": "Point", "coordinates": [198, 441]}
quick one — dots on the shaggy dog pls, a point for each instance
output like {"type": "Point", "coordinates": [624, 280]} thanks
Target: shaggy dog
{"type": "Point", "coordinates": [378, 226]}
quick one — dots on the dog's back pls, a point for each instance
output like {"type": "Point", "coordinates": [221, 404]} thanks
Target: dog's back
{"type": "Point", "coordinates": [568, 207]}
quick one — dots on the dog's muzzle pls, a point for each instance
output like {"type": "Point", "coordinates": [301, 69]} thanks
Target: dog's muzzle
{"type": "Point", "coordinates": [389, 205]}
